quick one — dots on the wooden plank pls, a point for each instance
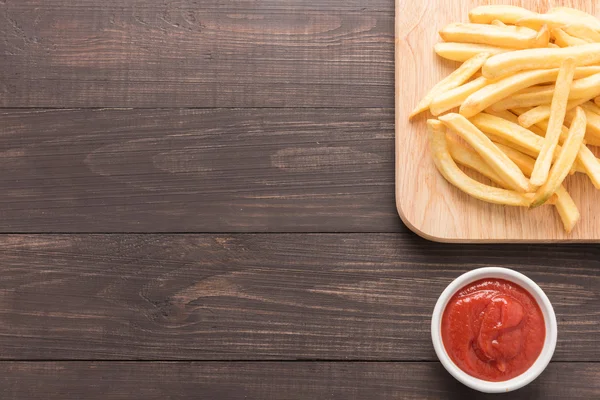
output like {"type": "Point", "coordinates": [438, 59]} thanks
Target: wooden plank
{"type": "Point", "coordinates": [259, 297]}
{"type": "Point", "coordinates": [271, 380]}
{"type": "Point", "coordinates": [214, 5]}
{"type": "Point", "coordinates": [437, 210]}
{"type": "Point", "coordinates": [184, 54]}
{"type": "Point", "coordinates": [197, 170]}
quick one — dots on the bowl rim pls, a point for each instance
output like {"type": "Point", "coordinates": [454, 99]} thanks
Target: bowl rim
{"type": "Point", "coordinates": [540, 297]}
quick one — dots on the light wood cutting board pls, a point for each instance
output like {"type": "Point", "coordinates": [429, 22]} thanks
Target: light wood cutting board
{"type": "Point", "coordinates": [429, 205]}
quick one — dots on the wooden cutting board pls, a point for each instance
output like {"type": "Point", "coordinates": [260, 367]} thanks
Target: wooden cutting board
{"type": "Point", "coordinates": [429, 205]}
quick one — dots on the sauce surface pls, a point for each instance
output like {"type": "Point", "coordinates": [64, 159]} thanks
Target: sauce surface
{"type": "Point", "coordinates": [493, 329]}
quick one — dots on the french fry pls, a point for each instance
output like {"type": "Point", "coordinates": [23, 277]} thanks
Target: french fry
{"type": "Point", "coordinates": [586, 87]}
{"type": "Point", "coordinates": [567, 209]}
{"type": "Point", "coordinates": [469, 158]}
{"type": "Point", "coordinates": [512, 145]}
{"type": "Point", "coordinates": [563, 39]}
{"type": "Point", "coordinates": [502, 36]}
{"type": "Point", "coordinates": [543, 112]}
{"type": "Point", "coordinates": [520, 100]}
{"type": "Point", "coordinates": [497, 22]}
{"type": "Point", "coordinates": [577, 16]}
{"type": "Point", "coordinates": [553, 46]}
{"type": "Point", "coordinates": [556, 19]}
{"type": "Point", "coordinates": [557, 117]}
{"type": "Point", "coordinates": [456, 78]}
{"type": "Point", "coordinates": [488, 95]}
{"type": "Point", "coordinates": [584, 72]}
{"type": "Point", "coordinates": [506, 64]}
{"type": "Point", "coordinates": [464, 51]}
{"type": "Point", "coordinates": [583, 32]}
{"type": "Point", "coordinates": [506, 14]}
{"type": "Point", "coordinates": [564, 162]}
{"type": "Point", "coordinates": [499, 127]}
{"type": "Point", "coordinates": [450, 171]}
{"type": "Point", "coordinates": [455, 97]}
{"type": "Point", "coordinates": [500, 163]}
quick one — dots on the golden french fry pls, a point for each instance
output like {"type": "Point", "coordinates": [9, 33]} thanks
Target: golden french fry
{"type": "Point", "coordinates": [557, 117]}
{"type": "Point", "coordinates": [513, 116]}
{"type": "Point", "coordinates": [583, 32]}
{"type": "Point", "coordinates": [499, 127]}
{"type": "Point", "coordinates": [469, 158]}
{"type": "Point", "coordinates": [564, 162]}
{"type": "Point", "coordinates": [525, 99]}
{"type": "Point", "coordinates": [543, 112]}
{"type": "Point", "coordinates": [556, 20]}
{"type": "Point", "coordinates": [512, 145]}
{"type": "Point", "coordinates": [553, 46]}
{"type": "Point", "coordinates": [584, 72]}
{"type": "Point", "coordinates": [597, 101]}
{"type": "Point", "coordinates": [506, 14]}
{"type": "Point", "coordinates": [567, 209]}
{"type": "Point", "coordinates": [581, 88]}
{"type": "Point", "coordinates": [563, 39]}
{"type": "Point", "coordinates": [542, 39]}
{"type": "Point", "coordinates": [513, 37]}
{"type": "Point", "coordinates": [488, 95]}
{"type": "Point", "coordinates": [456, 78]}
{"type": "Point", "coordinates": [500, 163]}
{"type": "Point", "coordinates": [455, 97]}
{"type": "Point", "coordinates": [497, 22]}
{"type": "Point", "coordinates": [577, 16]}
{"type": "Point", "coordinates": [506, 64]}
{"type": "Point", "coordinates": [450, 171]}
{"type": "Point", "coordinates": [464, 51]}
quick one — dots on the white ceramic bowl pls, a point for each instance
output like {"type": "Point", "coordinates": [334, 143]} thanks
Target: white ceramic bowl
{"type": "Point", "coordinates": [550, 320]}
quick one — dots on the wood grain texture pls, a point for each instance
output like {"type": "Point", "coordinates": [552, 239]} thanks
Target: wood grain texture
{"type": "Point", "coordinates": [427, 203]}
{"type": "Point", "coordinates": [197, 170]}
{"type": "Point", "coordinates": [260, 297]}
{"type": "Point", "coordinates": [272, 380]}
{"type": "Point", "coordinates": [189, 53]}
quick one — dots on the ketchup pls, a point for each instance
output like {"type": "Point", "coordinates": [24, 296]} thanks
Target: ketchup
{"type": "Point", "coordinates": [493, 329]}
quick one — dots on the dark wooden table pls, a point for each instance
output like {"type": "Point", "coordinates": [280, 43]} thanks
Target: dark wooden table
{"type": "Point", "coordinates": [197, 201]}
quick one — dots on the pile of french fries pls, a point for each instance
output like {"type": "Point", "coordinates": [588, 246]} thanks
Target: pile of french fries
{"type": "Point", "coordinates": [528, 98]}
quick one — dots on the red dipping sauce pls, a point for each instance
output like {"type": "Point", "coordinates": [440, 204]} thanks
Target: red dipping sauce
{"type": "Point", "coordinates": [493, 329]}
